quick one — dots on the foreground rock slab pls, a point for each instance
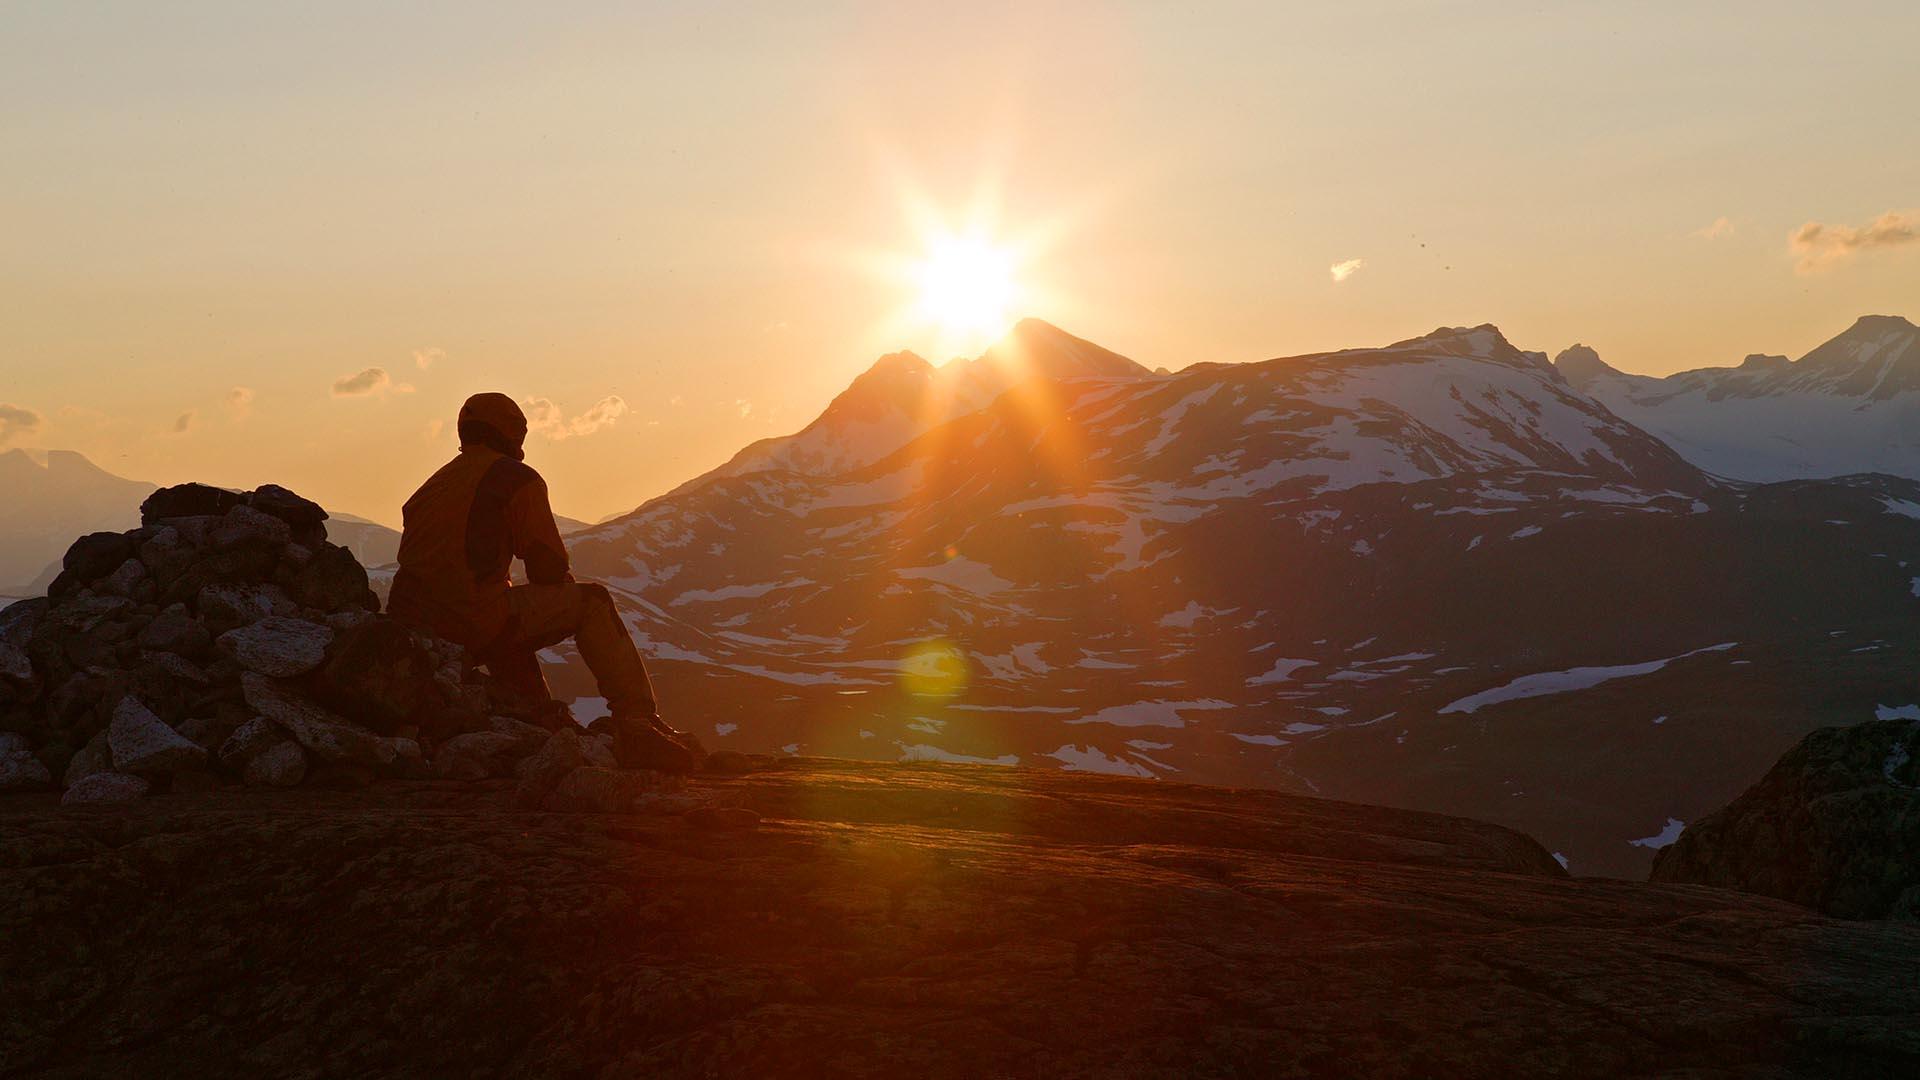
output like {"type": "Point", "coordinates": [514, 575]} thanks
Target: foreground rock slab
{"type": "Point", "coordinates": [945, 921]}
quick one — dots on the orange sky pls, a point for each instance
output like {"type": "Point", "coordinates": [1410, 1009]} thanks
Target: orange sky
{"type": "Point", "coordinates": [681, 209]}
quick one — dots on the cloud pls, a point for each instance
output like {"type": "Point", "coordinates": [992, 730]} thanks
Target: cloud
{"type": "Point", "coordinates": [743, 407]}
{"type": "Point", "coordinates": [240, 400]}
{"type": "Point", "coordinates": [429, 356]}
{"type": "Point", "coordinates": [546, 418]}
{"type": "Point", "coordinates": [1341, 271]}
{"type": "Point", "coordinates": [676, 401]}
{"type": "Point", "coordinates": [17, 421]}
{"type": "Point", "coordinates": [185, 423]}
{"type": "Point", "coordinates": [372, 382]}
{"type": "Point", "coordinates": [1714, 230]}
{"type": "Point", "coordinates": [1822, 247]}
{"type": "Point", "coordinates": [435, 429]}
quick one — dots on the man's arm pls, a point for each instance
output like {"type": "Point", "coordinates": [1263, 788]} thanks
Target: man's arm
{"type": "Point", "coordinates": [536, 537]}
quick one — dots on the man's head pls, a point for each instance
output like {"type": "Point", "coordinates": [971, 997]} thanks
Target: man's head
{"type": "Point", "coordinates": [494, 421]}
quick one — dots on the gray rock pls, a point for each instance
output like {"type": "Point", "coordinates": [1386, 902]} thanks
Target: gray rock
{"type": "Point", "coordinates": [326, 736]}
{"type": "Point", "coordinates": [248, 740]}
{"type": "Point", "coordinates": [225, 606]}
{"type": "Point", "coordinates": [12, 742]}
{"type": "Point", "coordinates": [281, 765]}
{"type": "Point", "coordinates": [527, 738]}
{"type": "Point", "coordinates": [174, 630]}
{"type": "Point", "coordinates": [474, 756]}
{"type": "Point", "coordinates": [245, 525]}
{"type": "Point", "coordinates": [608, 791]}
{"type": "Point", "coordinates": [279, 647]}
{"type": "Point", "coordinates": [142, 742]}
{"type": "Point", "coordinates": [21, 771]}
{"type": "Point", "coordinates": [122, 580]}
{"type": "Point", "coordinates": [409, 761]}
{"type": "Point", "coordinates": [95, 757]}
{"type": "Point", "coordinates": [14, 664]}
{"type": "Point", "coordinates": [106, 787]}
{"type": "Point", "coordinates": [177, 666]}
{"type": "Point", "coordinates": [599, 751]}
{"type": "Point", "coordinates": [542, 771]}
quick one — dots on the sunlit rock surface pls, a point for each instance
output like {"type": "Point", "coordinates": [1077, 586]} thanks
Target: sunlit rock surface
{"type": "Point", "coordinates": [894, 920]}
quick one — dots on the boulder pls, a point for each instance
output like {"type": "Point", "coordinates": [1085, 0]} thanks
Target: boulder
{"type": "Point", "coordinates": [607, 791]}
{"type": "Point", "coordinates": [15, 667]}
{"type": "Point", "coordinates": [96, 555]}
{"type": "Point", "coordinates": [543, 770]}
{"type": "Point", "coordinates": [188, 500]}
{"type": "Point", "coordinates": [328, 737]}
{"type": "Point", "coordinates": [142, 742]}
{"type": "Point", "coordinates": [297, 512]}
{"type": "Point", "coordinates": [244, 525]}
{"type": "Point", "coordinates": [333, 580]}
{"type": "Point", "coordinates": [249, 740]}
{"type": "Point", "coordinates": [277, 646]}
{"type": "Point", "coordinates": [474, 756]}
{"type": "Point", "coordinates": [282, 764]}
{"type": "Point", "coordinates": [376, 671]}
{"type": "Point", "coordinates": [1834, 825]}
{"type": "Point", "coordinates": [526, 737]}
{"type": "Point", "coordinates": [94, 757]}
{"type": "Point", "coordinates": [106, 787]}
{"type": "Point", "coordinates": [19, 769]}
{"type": "Point", "coordinates": [225, 606]}
{"type": "Point", "coordinates": [125, 580]}
{"type": "Point", "coordinates": [174, 630]}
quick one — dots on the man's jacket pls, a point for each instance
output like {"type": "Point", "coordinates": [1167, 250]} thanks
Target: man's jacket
{"type": "Point", "coordinates": [462, 530]}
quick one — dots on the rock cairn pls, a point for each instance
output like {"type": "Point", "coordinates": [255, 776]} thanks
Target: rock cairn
{"type": "Point", "coordinates": [225, 642]}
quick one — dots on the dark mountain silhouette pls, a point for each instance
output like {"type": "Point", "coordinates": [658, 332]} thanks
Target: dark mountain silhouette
{"type": "Point", "coordinates": [1848, 406]}
{"type": "Point", "coordinates": [1369, 574]}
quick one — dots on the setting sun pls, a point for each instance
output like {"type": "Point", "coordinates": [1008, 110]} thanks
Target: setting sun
{"type": "Point", "coordinates": [967, 286]}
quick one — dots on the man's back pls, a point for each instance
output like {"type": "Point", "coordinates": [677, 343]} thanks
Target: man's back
{"type": "Point", "coordinates": [462, 530]}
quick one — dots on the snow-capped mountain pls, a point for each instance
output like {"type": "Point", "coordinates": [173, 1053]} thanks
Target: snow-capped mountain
{"type": "Point", "coordinates": [1852, 405]}
{"type": "Point", "coordinates": [1365, 573]}
{"type": "Point", "coordinates": [48, 497]}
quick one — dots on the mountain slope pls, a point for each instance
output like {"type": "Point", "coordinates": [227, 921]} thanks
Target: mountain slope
{"type": "Point", "coordinates": [46, 499]}
{"type": "Point", "coordinates": [1849, 406]}
{"type": "Point", "coordinates": [1279, 574]}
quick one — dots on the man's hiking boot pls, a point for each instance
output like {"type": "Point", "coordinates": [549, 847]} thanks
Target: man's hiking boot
{"type": "Point", "coordinates": [647, 743]}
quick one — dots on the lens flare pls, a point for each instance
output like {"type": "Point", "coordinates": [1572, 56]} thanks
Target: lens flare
{"type": "Point", "coordinates": [934, 669]}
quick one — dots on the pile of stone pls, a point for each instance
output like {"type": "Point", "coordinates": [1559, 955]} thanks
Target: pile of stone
{"type": "Point", "coordinates": [225, 642]}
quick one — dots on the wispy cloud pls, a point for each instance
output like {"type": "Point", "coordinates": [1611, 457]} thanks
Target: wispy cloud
{"type": "Point", "coordinates": [743, 407]}
{"type": "Point", "coordinates": [425, 358]}
{"type": "Point", "coordinates": [240, 401]}
{"type": "Point", "coordinates": [1715, 229]}
{"type": "Point", "coordinates": [548, 419]}
{"type": "Point", "coordinates": [185, 422]}
{"type": "Point", "coordinates": [1822, 247]}
{"type": "Point", "coordinates": [17, 421]}
{"type": "Point", "coordinates": [1341, 271]}
{"type": "Point", "coordinates": [372, 382]}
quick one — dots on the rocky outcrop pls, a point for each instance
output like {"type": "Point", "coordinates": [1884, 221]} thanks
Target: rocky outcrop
{"type": "Point", "coordinates": [225, 643]}
{"type": "Point", "coordinates": [888, 920]}
{"type": "Point", "coordinates": [1835, 825]}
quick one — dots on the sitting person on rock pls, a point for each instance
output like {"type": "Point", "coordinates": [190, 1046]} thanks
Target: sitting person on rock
{"type": "Point", "coordinates": [463, 529]}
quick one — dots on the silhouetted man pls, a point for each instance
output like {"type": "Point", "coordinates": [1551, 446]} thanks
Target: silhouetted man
{"type": "Point", "coordinates": [464, 528]}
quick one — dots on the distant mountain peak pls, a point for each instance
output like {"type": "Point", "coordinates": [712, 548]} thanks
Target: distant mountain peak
{"type": "Point", "coordinates": [1765, 363]}
{"type": "Point", "coordinates": [1035, 347]}
{"type": "Point", "coordinates": [1580, 365]}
